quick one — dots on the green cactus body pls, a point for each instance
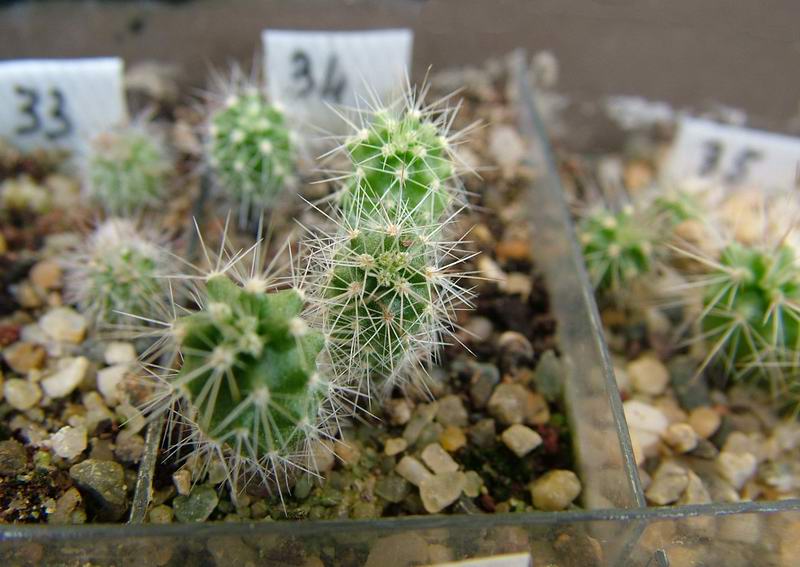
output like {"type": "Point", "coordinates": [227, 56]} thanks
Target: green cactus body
{"type": "Point", "coordinates": [618, 247]}
{"type": "Point", "coordinates": [249, 373]}
{"type": "Point", "coordinates": [119, 273]}
{"type": "Point", "coordinates": [386, 297]}
{"type": "Point", "coordinates": [250, 150]}
{"type": "Point", "coordinates": [678, 206]}
{"type": "Point", "coordinates": [382, 295]}
{"type": "Point", "coordinates": [399, 161]}
{"type": "Point", "coordinates": [127, 169]}
{"type": "Point", "coordinates": [752, 308]}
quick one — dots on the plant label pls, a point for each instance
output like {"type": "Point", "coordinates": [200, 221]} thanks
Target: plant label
{"type": "Point", "coordinates": [59, 103]}
{"type": "Point", "coordinates": [309, 73]}
{"type": "Point", "coordinates": [509, 560]}
{"type": "Point", "coordinates": [734, 156]}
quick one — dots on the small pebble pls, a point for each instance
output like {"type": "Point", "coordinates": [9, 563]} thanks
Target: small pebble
{"type": "Point", "coordinates": [508, 402]}
{"type": "Point", "coordinates": [647, 421]}
{"type": "Point", "coordinates": [437, 459]}
{"type": "Point", "coordinates": [392, 488]}
{"type": "Point", "coordinates": [46, 275]}
{"type": "Point", "coordinates": [440, 490]}
{"type": "Point", "coordinates": [518, 250]}
{"type": "Point", "coordinates": [452, 439]}
{"type": "Point", "coordinates": [680, 437]}
{"type": "Point", "coordinates": [472, 484]}
{"type": "Point", "coordinates": [118, 352]}
{"type": "Point", "coordinates": [668, 483]}
{"type": "Point", "coordinates": [399, 411]}
{"type": "Point", "coordinates": [161, 514]}
{"type": "Point", "coordinates": [395, 446]}
{"type": "Point", "coordinates": [736, 468]}
{"type": "Point", "coordinates": [182, 479]}
{"type": "Point", "coordinates": [479, 329]}
{"type": "Point", "coordinates": [21, 394]}
{"type": "Point", "coordinates": [69, 442]}
{"type": "Point", "coordinates": [197, 506]}
{"type": "Point", "coordinates": [537, 412]}
{"type": "Point", "coordinates": [521, 439]}
{"type": "Point", "coordinates": [483, 434]}
{"type": "Point", "coordinates": [23, 356]}
{"type": "Point", "coordinates": [13, 458]}
{"type": "Point", "coordinates": [64, 324]}
{"type": "Point", "coordinates": [422, 416]}
{"type": "Point", "coordinates": [451, 411]}
{"type": "Point", "coordinates": [648, 375]}
{"type": "Point", "coordinates": [70, 373]}
{"type": "Point", "coordinates": [515, 350]}
{"type": "Point", "coordinates": [323, 458]}
{"type": "Point", "coordinates": [506, 147]}
{"type": "Point", "coordinates": [482, 383]}
{"type": "Point", "coordinates": [549, 376]}
{"type": "Point", "coordinates": [105, 483]}
{"type": "Point", "coordinates": [347, 451]}
{"type": "Point", "coordinates": [129, 448]}
{"type": "Point", "coordinates": [555, 490]}
{"type": "Point", "coordinates": [66, 504]}
{"type": "Point", "coordinates": [705, 421]}
{"type": "Point", "coordinates": [696, 492]}
{"type": "Point", "coordinates": [109, 380]}
{"type": "Point", "coordinates": [412, 470]}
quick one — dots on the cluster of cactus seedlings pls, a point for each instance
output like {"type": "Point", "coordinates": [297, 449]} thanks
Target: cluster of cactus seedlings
{"type": "Point", "coordinates": [381, 282]}
{"type": "Point", "coordinates": [748, 314]}
{"type": "Point", "coordinates": [117, 273]}
{"type": "Point", "coordinates": [249, 147]}
{"type": "Point", "coordinates": [259, 374]}
{"type": "Point", "coordinates": [126, 168]}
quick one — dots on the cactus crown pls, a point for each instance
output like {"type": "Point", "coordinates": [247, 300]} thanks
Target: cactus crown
{"type": "Point", "coordinates": [119, 272]}
{"type": "Point", "coordinates": [618, 247]}
{"type": "Point", "coordinates": [752, 308]}
{"type": "Point", "coordinates": [381, 285]}
{"type": "Point", "coordinates": [399, 160]}
{"type": "Point", "coordinates": [126, 168]}
{"type": "Point", "coordinates": [249, 148]}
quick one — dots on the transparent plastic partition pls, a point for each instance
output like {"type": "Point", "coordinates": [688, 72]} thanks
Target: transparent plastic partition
{"type": "Point", "coordinates": [600, 440]}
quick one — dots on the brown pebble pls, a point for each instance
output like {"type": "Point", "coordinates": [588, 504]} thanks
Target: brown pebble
{"type": "Point", "coordinates": [23, 357]}
{"type": "Point", "coordinates": [46, 275]}
{"type": "Point", "coordinates": [519, 250]}
{"type": "Point", "coordinates": [452, 439]}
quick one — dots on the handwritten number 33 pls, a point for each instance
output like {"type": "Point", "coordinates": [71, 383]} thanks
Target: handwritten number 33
{"type": "Point", "coordinates": [57, 116]}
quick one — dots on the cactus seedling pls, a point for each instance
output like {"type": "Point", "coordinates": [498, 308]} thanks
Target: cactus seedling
{"type": "Point", "coordinates": [751, 310]}
{"type": "Point", "coordinates": [249, 149]}
{"type": "Point", "coordinates": [118, 272]}
{"type": "Point", "coordinates": [246, 385]}
{"type": "Point", "coordinates": [618, 247]}
{"type": "Point", "coordinates": [382, 284]}
{"type": "Point", "coordinates": [126, 169]}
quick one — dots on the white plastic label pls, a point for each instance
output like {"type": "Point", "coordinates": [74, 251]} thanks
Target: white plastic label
{"type": "Point", "coordinates": [59, 103]}
{"type": "Point", "coordinates": [307, 72]}
{"type": "Point", "coordinates": [734, 155]}
{"type": "Point", "coordinates": [509, 560]}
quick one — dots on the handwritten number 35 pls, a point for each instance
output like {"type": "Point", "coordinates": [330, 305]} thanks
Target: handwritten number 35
{"type": "Point", "coordinates": [59, 124]}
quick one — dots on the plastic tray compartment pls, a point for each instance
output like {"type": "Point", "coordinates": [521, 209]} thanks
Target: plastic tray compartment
{"type": "Point", "coordinates": [602, 454]}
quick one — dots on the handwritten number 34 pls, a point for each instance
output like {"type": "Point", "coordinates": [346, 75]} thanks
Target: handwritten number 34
{"type": "Point", "coordinates": [58, 123]}
{"type": "Point", "coordinates": [333, 82]}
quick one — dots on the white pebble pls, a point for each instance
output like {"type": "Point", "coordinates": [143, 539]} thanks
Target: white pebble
{"type": "Point", "coordinates": [648, 422]}
{"type": "Point", "coordinates": [64, 324]}
{"type": "Point", "coordinates": [736, 468]}
{"type": "Point", "coordinates": [412, 470]}
{"type": "Point", "coordinates": [681, 437]}
{"type": "Point", "coordinates": [648, 375]}
{"type": "Point", "coordinates": [69, 375]}
{"type": "Point", "coordinates": [437, 459]}
{"type": "Point", "coordinates": [118, 352]}
{"type": "Point", "coordinates": [108, 381]}
{"type": "Point", "coordinates": [69, 442]}
{"type": "Point", "coordinates": [21, 394]}
{"type": "Point", "coordinates": [521, 439]}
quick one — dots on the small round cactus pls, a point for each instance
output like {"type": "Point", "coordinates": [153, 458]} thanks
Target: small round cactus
{"type": "Point", "coordinates": [382, 283]}
{"type": "Point", "coordinates": [245, 387]}
{"type": "Point", "coordinates": [618, 247]}
{"type": "Point", "coordinates": [400, 159]}
{"type": "Point", "coordinates": [118, 273]}
{"type": "Point", "coordinates": [250, 150]}
{"type": "Point", "coordinates": [127, 169]}
{"type": "Point", "coordinates": [751, 310]}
